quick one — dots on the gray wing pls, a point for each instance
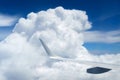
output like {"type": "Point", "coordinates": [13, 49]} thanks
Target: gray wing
{"type": "Point", "coordinates": [98, 69]}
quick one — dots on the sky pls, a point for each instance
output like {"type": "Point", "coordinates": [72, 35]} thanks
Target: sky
{"type": "Point", "coordinates": [104, 15]}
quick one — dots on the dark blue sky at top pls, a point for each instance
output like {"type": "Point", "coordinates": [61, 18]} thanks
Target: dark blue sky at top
{"type": "Point", "coordinates": [104, 15]}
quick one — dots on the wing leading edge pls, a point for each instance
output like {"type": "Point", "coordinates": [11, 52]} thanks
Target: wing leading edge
{"type": "Point", "coordinates": [46, 48]}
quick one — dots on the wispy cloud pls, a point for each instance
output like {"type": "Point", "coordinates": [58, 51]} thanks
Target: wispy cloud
{"type": "Point", "coordinates": [7, 20]}
{"type": "Point", "coordinates": [104, 37]}
{"type": "Point", "coordinates": [108, 16]}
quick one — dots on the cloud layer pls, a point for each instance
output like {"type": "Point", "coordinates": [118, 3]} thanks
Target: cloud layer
{"type": "Point", "coordinates": [23, 58]}
{"type": "Point", "coordinates": [6, 20]}
{"type": "Point", "coordinates": [104, 37]}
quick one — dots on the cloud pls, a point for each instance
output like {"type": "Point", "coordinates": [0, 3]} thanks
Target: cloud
{"type": "Point", "coordinates": [7, 20]}
{"type": "Point", "coordinates": [103, 37]}
{"type": "Point", "coordinates": [23, 58]}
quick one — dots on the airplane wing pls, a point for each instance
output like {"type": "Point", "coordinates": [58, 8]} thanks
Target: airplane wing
{"type": "Point", "coordinates": [93, 63]}
{"type": "Point", "coordinates": [46, 48]}
{"type": "Point", "coordinates": [98, 69]}
{"type": "Point", "coordinates": [98, 66]}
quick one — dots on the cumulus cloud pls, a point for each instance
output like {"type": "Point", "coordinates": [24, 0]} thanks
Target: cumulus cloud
{"type": "Point", "coordinates": [7, 20]}
{"type": "Point", "coordinates": [23, 58]}
{"type": "Point", "coordinates": [104, 37]}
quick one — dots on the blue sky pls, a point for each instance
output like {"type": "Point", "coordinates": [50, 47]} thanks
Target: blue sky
{"type": "Point", "coordinates": [104, 15]}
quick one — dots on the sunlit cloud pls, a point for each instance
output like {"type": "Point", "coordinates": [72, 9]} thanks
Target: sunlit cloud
{"type": "Point", "coordinates": [7, 20]}
{"type": "Point", "coordinates": [103, 37]}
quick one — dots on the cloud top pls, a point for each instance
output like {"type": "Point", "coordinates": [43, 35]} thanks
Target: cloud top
{"type": "Point", "coordinates": [58, 18]}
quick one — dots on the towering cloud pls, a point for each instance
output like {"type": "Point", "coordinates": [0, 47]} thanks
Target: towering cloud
{"type": "Point", "coordinates": [23, 58]}
{"type": "Point", "coordinates": [60, 28]}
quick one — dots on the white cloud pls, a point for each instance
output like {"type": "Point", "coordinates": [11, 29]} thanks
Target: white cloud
{"type": "Point", "coordinates": [104, 37]}
{"type": "Point", "coordinates": [23, 58]}
{"type": "Point", "coordinates": [7, 20]}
